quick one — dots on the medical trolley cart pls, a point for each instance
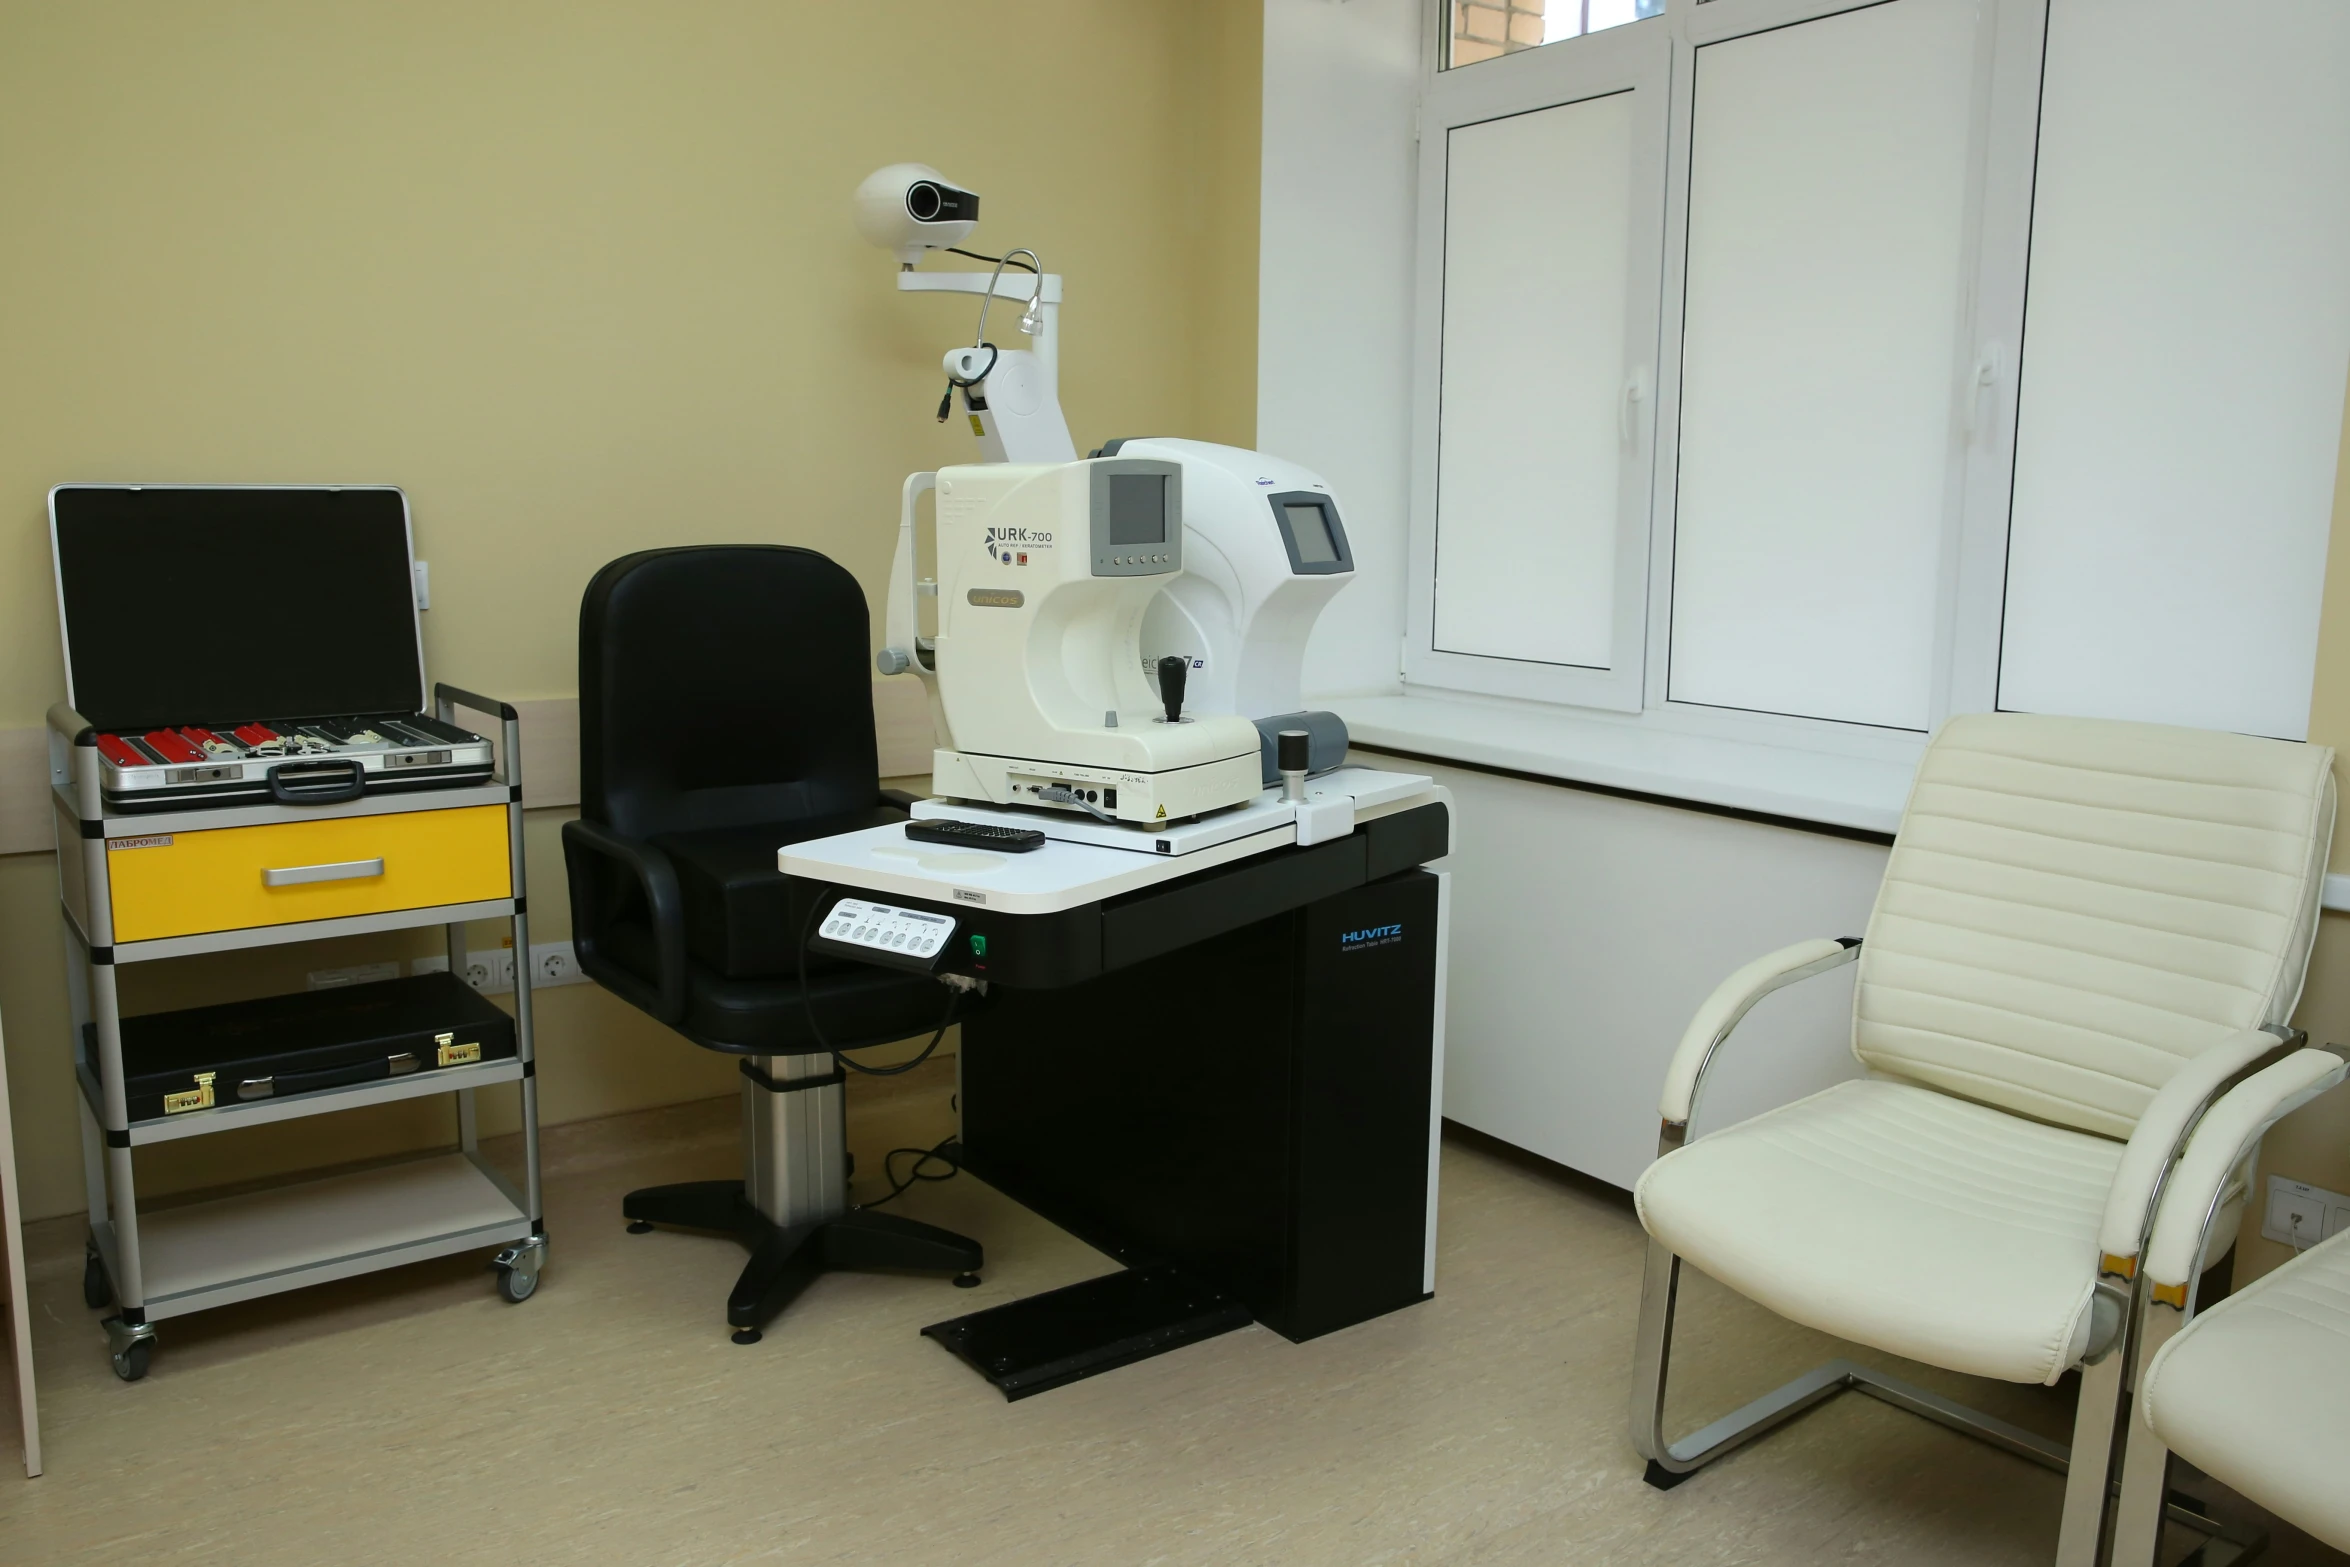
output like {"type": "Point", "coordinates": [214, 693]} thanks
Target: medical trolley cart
{"type": "Point", "coordinates": [243, 759]}
{"type": "Point", "coordinates": [215, 879]}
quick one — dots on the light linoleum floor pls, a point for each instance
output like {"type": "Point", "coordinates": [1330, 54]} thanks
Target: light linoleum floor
{"type": "Point", "coordinates": [415, 1418]}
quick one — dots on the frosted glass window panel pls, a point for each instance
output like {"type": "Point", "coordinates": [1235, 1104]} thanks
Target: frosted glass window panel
{"type": "Point", "coordinates": [2185, 340]}
{"type": "Point", "coordinates": [1529, 447]}
{"type": "Point", "coordinates": [1827, 265]}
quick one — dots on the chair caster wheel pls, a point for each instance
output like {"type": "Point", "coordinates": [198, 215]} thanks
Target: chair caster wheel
{"type": "Point", "coordinates": [748, 1335]}
{"type": "Point", "coordinates": [966, 1281]}
{"type": "Point", "coordinates": [640, 1226]}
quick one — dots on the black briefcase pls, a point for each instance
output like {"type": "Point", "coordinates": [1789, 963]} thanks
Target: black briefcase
{"type": "Point", "coordinates": [173, 1062]}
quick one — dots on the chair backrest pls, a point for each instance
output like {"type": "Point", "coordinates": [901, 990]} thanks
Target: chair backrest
{"type": "Point", "coordinates": [2074, 907]}
{"type": "Point", "coordinates": [723, 686]}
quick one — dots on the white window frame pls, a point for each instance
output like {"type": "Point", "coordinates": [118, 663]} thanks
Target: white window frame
{"type": "Point", "coordinates": [1633, 58]}
{"type": "Point", "coordinates": [1988, 326]}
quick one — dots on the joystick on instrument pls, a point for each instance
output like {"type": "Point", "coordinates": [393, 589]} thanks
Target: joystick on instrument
{"type": "Point", "coordinates": [1173, 669]}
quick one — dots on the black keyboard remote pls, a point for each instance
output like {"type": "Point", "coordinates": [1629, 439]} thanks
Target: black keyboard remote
{"type": "Point", "coordinates": [975, 835]}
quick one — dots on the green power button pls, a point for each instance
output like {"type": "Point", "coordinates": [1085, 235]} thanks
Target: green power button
{"type": "Point", "coordinates": [978, 945]}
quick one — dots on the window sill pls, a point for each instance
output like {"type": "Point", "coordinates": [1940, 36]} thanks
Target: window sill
{"type": "Point", "coordinates": [1642, 755]}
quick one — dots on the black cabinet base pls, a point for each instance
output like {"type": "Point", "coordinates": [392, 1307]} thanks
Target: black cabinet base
{"type": "Point", "coordinates": [1065, 1335]}
{"type": "Point", "coordinates": [783, 1261]}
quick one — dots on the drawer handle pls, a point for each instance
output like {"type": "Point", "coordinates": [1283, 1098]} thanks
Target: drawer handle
{"type": "Point", "coordinates": [346, 870]}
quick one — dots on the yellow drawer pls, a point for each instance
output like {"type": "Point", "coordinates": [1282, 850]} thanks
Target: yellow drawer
{"type": "Point", "coordinates": [234, 878]}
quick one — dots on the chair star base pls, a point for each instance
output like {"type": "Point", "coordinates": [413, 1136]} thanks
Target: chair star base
{"type": "Point", "coordinates": [785, 1259]}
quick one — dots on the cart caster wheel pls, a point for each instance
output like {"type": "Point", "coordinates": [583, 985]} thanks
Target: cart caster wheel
{"type": "Point", "coordinates": [966, 1281]}
{"type": "Point", "coordinates": [131, 1364]}
{"type": "Point", "coordinates": [640, 1226]}
{"type": "Point", "coordinates": [748, 1335]}
{"type": "Point", "coordinates": [97, 1293]}
{"type": "Point", "coordinates": [516, 1286]}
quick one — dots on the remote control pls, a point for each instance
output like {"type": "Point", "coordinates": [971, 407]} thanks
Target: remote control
{"type": "Point", "coordinates": [975, 835]}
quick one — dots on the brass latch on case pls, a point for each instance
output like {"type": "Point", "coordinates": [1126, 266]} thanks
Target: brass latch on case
{"type": "Point", "coordinates": [196, 1098]}
{"type": "Point", "coordinates": [454, 1054]}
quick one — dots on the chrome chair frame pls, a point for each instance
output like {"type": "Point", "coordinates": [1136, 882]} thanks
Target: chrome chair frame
{"type": "Point", "coordinates": [2099, 1427]}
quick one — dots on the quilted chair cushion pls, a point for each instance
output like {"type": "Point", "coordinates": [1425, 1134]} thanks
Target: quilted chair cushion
{"type": "Point", "coordinates": [2075, 906]}
{"type": "Point", "coordinates": [1899, 1217]}
{"type": "Point", "coordinates": [2257, 1393]}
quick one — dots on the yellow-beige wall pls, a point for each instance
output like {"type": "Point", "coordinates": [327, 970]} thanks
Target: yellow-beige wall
{"type": "Point", "coordinates": [580, 277]}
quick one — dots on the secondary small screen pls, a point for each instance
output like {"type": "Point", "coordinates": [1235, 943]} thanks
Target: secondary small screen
{"type": "Point", "coordinates": [1138, 509]}
{"type": "Point", "coordinates": [1309, 525]}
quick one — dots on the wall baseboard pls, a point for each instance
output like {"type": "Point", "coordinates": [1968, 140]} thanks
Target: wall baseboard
{"type": "Point", "coordinates": [550, 758]}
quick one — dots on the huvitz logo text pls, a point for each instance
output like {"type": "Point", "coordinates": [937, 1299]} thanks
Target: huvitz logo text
{"type": "Point", "coordinates": [1369, 936]}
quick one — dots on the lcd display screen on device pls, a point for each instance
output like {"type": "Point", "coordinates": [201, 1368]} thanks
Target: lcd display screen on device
{"type": "Point", "coordinates": [1310, 526]}
{"type": "Point", "coordinates": [1138, 509]}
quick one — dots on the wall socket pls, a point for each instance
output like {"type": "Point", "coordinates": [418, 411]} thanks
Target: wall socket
{"type": "Point", "coordinates": [2301, 1215]}
{"type": "Point", "coordinates": [490, 970]}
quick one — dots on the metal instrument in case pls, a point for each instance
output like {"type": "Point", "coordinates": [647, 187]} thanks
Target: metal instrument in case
{"type": "Point", "coordinates": [294, 762]}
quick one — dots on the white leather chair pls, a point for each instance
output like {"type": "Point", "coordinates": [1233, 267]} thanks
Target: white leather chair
{"type": "Point", "coordinates": [2087, 932]}
{"type": "Point", "coordinates": [2256, 1392]}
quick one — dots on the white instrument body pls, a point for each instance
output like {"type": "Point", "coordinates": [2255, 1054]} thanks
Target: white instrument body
{"type": "Point", "coordinates": [1045, 572]}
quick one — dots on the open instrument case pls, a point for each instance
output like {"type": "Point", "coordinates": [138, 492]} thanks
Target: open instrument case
{"type": "Point", "coordinates": [243, 644]}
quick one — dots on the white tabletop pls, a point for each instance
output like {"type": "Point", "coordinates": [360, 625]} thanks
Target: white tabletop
{"type": "Point", "coordinates": [1061, 874]}
{"type": "Point", "coordinates": [1044, 881]}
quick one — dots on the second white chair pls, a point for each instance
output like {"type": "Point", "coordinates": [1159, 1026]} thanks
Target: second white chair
{"type": "Point", "coordinates": [2256, 1392]}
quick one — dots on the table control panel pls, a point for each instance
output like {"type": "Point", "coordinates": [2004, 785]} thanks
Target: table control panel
{"type": "Point", "coordinates": [883, 932]}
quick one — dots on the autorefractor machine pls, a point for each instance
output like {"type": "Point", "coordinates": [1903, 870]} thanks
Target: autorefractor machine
{"type": "Point", "coordinates": [1119, 638]}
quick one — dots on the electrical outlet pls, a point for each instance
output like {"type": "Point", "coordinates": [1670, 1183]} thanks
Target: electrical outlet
{"type": "Point", "coordinates": [553, 963]}
{"type": "Point", "coordinates": [2301, 1215]}
{"type": "Point", "coordinates": [423, 584]}
{"type": "Point", "coordinates": [490, 971]}
{"type": "Point", "coordinates": [353, 974]}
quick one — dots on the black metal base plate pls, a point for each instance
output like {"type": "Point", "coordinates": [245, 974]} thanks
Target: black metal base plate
{"type": "Point", "coordinates": [1066, 1335]}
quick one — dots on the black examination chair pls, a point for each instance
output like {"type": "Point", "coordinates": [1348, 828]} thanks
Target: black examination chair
{"type": "Point", "coordinates": [726, 709]}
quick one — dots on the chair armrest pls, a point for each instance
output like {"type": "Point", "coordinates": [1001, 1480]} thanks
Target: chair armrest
{"type": "Point", "coordinates": [2161, 1136]}
{"type": "Point", "coordinates": [1732, 999]}
{"type": "Point", "coordinates": [663, 994]}
{"type": "Point", "coordinates": [899, 798]}
{"type": "Point", "coordinates": [2229, 1131]}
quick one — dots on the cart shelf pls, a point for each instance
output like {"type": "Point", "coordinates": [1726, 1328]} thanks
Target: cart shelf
{"type": "Point", "coordinates": [306, 930]}
{"type": "Point", "coordinates": [311, 1232]}
{"type": "Point", "coordinates": [288, 1107]}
